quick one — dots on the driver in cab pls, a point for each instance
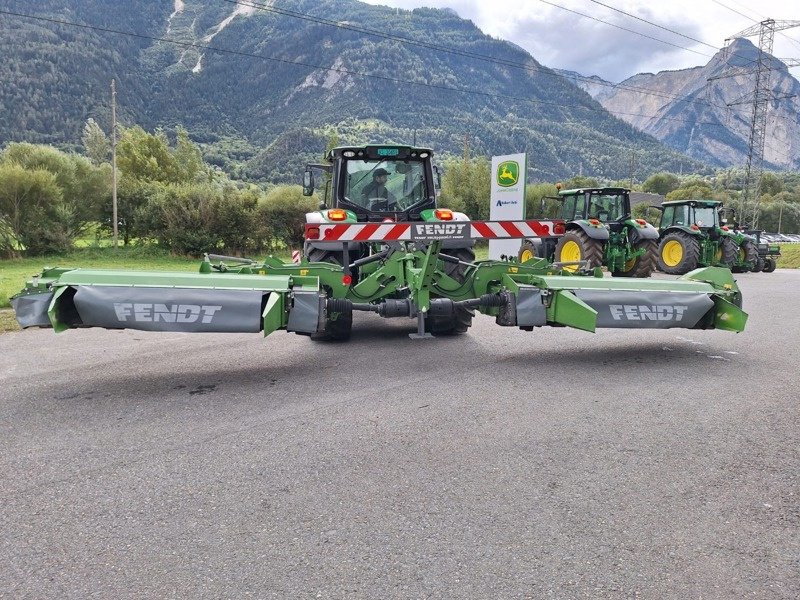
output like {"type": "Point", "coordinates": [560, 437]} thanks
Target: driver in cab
{"type": "Point", "coordinates": [375, 195]}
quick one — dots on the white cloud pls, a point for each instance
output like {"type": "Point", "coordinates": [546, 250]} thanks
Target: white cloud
{"type": "Point", "coordinates": [561, 39]}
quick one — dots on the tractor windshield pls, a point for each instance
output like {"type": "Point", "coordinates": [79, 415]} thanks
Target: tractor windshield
{"type": "Point", "coordinates": [385, 186]}
{"type": "Point", "coordinates": [607, 207]}
{"type": "Point", "coordinates": [705, 216]}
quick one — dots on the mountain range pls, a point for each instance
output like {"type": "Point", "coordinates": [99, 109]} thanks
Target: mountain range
{"type": "Point", "coordinates": [265, 86]}
{"type": "Point", "coordinates": [706, 112]}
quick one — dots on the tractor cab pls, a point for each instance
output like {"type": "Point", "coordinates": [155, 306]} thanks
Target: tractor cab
{"type": "Point", "coordinates": [375, 183]}
{"type": "Point", "coordinates": [708, 216]}
{"type": "Point", "coordinates": [607, 205]}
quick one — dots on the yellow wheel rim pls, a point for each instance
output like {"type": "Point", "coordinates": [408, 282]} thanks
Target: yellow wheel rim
{"type": "Point", "coordinates": [672, 253]}
{"type": "Point", "coordinates": [718, 255]}
{"type": "Point", "coordinates": [629, 265]}
{"type": "Point", "coordinates": [526, 255]}
{"type": "Point", "coordinates": [570, 252]}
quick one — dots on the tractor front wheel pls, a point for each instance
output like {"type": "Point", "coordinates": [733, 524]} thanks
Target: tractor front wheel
{"type": "Point", "coordinates": [678, 253]}
{"type": "Point", "coordinates": [747, 253]}
{"type": "Point", "coordinates": [575, 246]}
{"type": "Point", "coordinates": [338, 326]}
{"type": "Point", "coordinates": [527, 251]}
{"type": "Point", "coordinates": [769, 265]}
{"type": "Point", "coordinates": [461, 320]}
{"type": "Point", "coordinates": [644, 264]}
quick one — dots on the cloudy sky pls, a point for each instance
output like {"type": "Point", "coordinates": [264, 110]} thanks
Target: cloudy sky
{"type": "Point", "coordinates": [562, 39]}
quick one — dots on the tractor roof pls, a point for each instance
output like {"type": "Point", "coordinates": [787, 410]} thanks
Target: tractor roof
{"type": "Point", "coordinates": [704, 203]}
{"type": "Point", "coordinates": [606, 190]}
{"type": "Point", "coordinates": [379, 152]}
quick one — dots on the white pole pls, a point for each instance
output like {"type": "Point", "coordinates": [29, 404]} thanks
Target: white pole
{"type": "Point", "coordinates": [114, 159]}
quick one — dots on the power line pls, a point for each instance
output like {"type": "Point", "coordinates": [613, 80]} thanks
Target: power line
{"type": "Point", "coordinates": [525, 67]}
{"type": "Point", "coordinates": [761, 17]}
{"type": "Point", "coordinates": [644, 35]}
{"type": "Point", "coordinates": [627, 14]}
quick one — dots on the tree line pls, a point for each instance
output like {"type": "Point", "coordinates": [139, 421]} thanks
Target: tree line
{"type": "Point", "coordinates": [167, 194]}
{"type": "Point", "coordinates": [170, 196]}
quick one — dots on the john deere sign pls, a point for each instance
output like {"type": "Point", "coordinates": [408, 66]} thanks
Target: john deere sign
{"type": "Point", "coordinates": [507, 198]}
{"type": "Point", "coordinates": [507, 173]}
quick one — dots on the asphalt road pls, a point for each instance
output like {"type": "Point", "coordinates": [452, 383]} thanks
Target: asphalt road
{"type": "Point", "coordinates": [501, 464]}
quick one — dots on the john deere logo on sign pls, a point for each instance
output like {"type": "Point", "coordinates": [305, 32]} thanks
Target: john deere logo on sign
{"type": "Point", "coordinates": [507, 173]}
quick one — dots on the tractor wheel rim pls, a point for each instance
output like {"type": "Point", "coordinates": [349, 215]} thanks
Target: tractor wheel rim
{"type": "Point", "coordinates": [526, 255]}
{"type": "Point", "coordinates": [570, 252]}
{"type": "Point", "coordinates": [672, 253]}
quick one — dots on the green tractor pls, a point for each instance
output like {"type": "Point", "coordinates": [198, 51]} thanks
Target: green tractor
{"type": "Point", "coordinates": [768, 254]}
{"type": "Point", "coordinates": [600, 231]}
{"type": "Point", "coordinates": [695, 233]}
{"type": "Point", "coordinates": [382, 185]}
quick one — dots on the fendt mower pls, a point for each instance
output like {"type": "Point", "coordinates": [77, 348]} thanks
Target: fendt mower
{"type": "Point", "coordinates": [396, 255]}
{"type": "Point", "coordinates": [601, 232]}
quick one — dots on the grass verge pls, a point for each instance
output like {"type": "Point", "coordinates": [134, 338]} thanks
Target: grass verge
{"type": "Point", "coordinates": [790, 256]}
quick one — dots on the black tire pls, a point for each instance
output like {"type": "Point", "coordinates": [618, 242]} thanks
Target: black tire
{"type": "Point", "coordinates": [729, 250]}
{"type": "Point", "coordinates": [589, 249]}
{"type": "Point", "coordinates": [678, 263]}
{"type": "Point", "coordinates": [338, 326]}
{"type": "Point", "coordinates": [328, 256]}
{"type": "Point", "coordinates": [643, 265]}
{"type": "Point", "coordinates": [747, 253]}
{"type": "Point", "coordinates": [760, 262]}
{"type": "Point", "coordinates": [461, 320]}
{"type": "Point", "coordinates": [769, 265]}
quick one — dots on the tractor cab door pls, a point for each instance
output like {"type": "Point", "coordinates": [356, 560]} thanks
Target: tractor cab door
{"type": "Point", "coordinates": [573, 207]}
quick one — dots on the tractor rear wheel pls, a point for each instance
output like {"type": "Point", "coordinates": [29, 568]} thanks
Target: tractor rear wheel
{"type": "Point", "coordinates": [678, 253]}
{"type": "Point", "coordinates": [644, 264]}
{"type": "Point", "coordinates": [576, 245]}
{"type": "Point", "coordinates": [769, 265]}
{"type": "Point", "coordinates": [747, 253]}
{"type": "Point", "coordinates": [461, 319]}
{"type": "Point", "coordinates": [338, 326]}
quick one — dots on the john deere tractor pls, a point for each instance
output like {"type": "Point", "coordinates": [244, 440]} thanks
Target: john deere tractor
{"type": "Point", "coordinates": [600, 231]}
{"type": "Point", "coordinates": [695, 233]}
{"type": "Point", "coordinates": [768, 254]}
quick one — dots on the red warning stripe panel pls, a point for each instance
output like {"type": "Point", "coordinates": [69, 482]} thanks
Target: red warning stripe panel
{"type": "Point", "coordinates": [511, 229]}
{"type": "Point", "coordinates": [366, 231]}
{"type": "Point", "coordinates": [380, 232]}
{"type": "Point", "coordinates": [397, 231]}
{"type": "Point", "coordinates": [541, 227]}
{"type": "Point", "coordinates": [483, 229]}
{"type": "Point", "coordinates": [334, 232]}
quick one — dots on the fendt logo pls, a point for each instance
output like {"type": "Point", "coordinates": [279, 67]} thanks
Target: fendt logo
{"type": "Point", "coordinates": [658, 312]}
{"type": "Point", "coordinates": [168, 313]}
{"type": "Point", "coordinates": [440, 229]}
{"type": "Point", "coordinates": [507, 173]}
{"type": "Point", "coordinates": [431, 232]}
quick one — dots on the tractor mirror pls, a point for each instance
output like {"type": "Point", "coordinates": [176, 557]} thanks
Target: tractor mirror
{"type": "Point", "coordinates": [308, 183]}
{"type": "Point", "coordinates": [437, 179]}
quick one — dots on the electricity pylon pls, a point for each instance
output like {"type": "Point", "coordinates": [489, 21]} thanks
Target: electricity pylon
{"type": "Point", "coordinates": [760, 98]}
